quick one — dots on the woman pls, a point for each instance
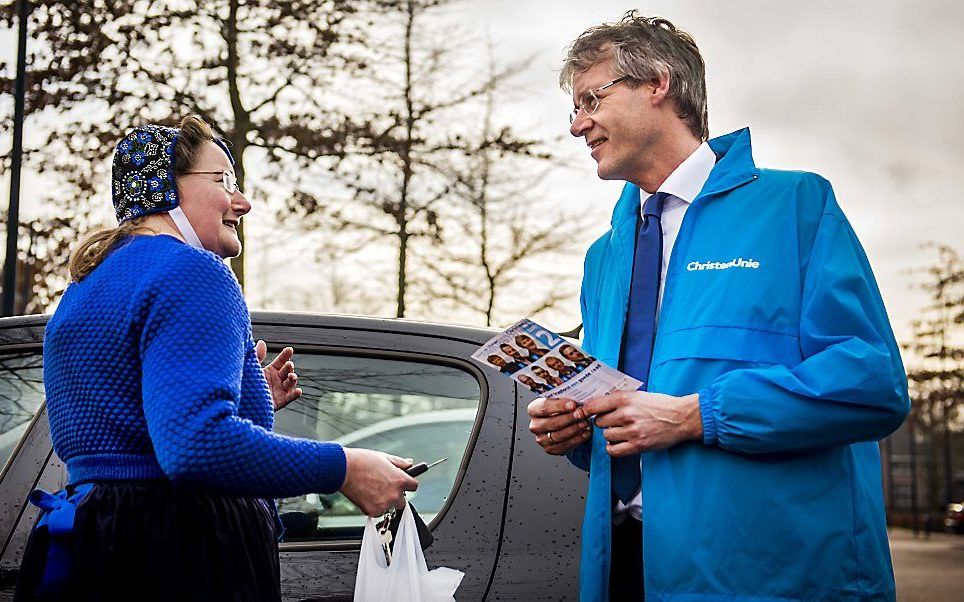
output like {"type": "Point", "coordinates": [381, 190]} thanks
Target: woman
{"type": "Point", "coordinates": [158, 404]}
{"type": "Point", "coordinates": [534, 386]}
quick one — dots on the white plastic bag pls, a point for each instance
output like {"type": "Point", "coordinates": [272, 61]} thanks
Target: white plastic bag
{"type": "Point", "coordinates": [406, 579]}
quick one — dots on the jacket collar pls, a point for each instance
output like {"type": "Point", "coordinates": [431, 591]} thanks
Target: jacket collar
{"type": "Point", "coordinates": [734, 162]}
{"type": "Point", "coordinates": [734, 167]}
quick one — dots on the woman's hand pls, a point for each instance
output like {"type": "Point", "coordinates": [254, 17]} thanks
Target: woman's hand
{"type": "Point", "coordinates": [376, 482]}
{"type": "Point", "coordinates": [280, 374]}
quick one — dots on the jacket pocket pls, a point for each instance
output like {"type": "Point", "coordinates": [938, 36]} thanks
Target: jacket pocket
{"type": "Point", "coordinates": [728, 343]}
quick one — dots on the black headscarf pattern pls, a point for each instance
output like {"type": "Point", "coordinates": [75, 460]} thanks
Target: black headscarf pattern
{"type": "Point", "coordinates": [143, 172]}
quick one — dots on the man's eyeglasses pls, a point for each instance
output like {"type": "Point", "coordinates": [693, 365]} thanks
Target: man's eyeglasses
{"type": "Point", "coordinates": [228, 179]}
{"type": "Point", "coordinates": [590, 99]}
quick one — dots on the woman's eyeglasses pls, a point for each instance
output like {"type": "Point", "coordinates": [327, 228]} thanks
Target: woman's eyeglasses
{"type": "Point", "coordinates": [228, 179]}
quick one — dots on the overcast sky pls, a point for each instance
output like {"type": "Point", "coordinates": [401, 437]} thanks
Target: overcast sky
{"type": "Point", "coordinates": [868, 94]}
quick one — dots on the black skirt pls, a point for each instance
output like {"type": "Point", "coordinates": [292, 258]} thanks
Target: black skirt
{"type": "Point", "coordinates": [153, 540]}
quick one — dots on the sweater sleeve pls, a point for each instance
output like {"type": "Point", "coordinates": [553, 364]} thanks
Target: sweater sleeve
{"type": "Point", "coordinates": [193, 347]}
{"type": "Point", "coordinates": [850, 387]}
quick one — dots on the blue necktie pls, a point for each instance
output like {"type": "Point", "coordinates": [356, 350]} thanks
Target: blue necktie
{"type": "Point", "coordinates": [640, 327]}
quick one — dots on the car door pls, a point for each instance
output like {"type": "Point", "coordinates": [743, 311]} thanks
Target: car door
{"type": "Point", "coordinates": [463, 500]}
{"type": "Point", "coordinates": [26, 457]}
{"type": "Point", "coordinates": [539, 555]}
{"type": "Point", "coordinates": [408, 389]}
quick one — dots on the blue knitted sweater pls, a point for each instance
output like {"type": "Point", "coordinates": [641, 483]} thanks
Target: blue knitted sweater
{"type": "Point", "coordinates": [150, 372]}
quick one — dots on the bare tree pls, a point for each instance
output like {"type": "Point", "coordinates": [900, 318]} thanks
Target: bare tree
{"type": "Point", "coordinates": [396, 180]}
{"type": "Point", "coordinates": [43, 248]}
{"type": "Point", "coordinates": [255, 69]}
{"type": "Point", "coordinates": [510, 234]}
{"type": "Point", "coordinates": [936, 377]}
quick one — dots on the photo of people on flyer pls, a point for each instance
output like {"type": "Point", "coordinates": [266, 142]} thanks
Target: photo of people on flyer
{"type": "Point", "coordinates": [550, 365]}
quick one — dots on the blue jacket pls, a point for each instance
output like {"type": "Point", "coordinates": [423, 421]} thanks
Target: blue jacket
{"type": "Point", "coordinates": [772, 314]}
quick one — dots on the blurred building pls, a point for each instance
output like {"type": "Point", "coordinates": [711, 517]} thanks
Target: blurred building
{"type": "Point", "coordinates": [917, 478]}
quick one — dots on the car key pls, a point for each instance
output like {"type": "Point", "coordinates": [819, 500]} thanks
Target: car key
{"type": "Point", "coordinates": [386, 538]}
{"type": "Point", "coordinates": [386, 534]}
{"type": "Point", "coordinates": [420, 468]}
{"type": "Point", "coordinates": [425, 538]}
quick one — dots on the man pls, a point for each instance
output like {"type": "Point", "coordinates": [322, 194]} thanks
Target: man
{"type": "Point", "coordinates": [515, 354]}
{"type": "Point", "coordinates": [572, 354]}
{"type": "Point", "coordinates": [552, 381]}
{"type": "Point", "coordinates": [747, 466]}
{"type": "Point", "coordinates": [564, 370]}
{"type": "Point", "coordinates": [527, 343]}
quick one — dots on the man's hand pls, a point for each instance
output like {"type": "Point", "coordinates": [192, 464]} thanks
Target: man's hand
{"type": "Point", "coordinates": [555, 427]}
{"type": "Point", "coordinates": [280, 374]}
{"type": "Point", "coordinates": [636, 421]}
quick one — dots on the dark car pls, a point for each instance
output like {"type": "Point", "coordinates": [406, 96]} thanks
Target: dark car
{"type": "Point", "coordinates": [500, 509]}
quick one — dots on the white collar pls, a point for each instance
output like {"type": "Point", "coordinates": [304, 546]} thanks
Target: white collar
{"type": "Point", "coordinates": [688, 178]}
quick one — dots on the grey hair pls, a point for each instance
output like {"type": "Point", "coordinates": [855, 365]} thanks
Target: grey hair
{"type": "Point", "coordinates": [643, 48]}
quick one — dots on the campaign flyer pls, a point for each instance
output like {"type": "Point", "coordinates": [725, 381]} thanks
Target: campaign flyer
{"type": "Point", "coordinates": [549, 365]}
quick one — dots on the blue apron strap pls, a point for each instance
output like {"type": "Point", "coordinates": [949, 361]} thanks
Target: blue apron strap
{"type": "Point", "coordinates": [58, 516]}
{"type": "Point", "coordinates": [280, 526]}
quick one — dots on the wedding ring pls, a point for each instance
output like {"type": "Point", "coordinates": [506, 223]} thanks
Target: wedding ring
{"type": "Point", "coordinates": [550, 436]}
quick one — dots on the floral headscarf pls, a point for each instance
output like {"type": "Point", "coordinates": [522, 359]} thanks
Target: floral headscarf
{"type": "Point", "coordinates": [143, 172]}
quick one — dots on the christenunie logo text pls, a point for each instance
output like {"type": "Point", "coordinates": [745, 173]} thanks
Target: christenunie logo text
{"type": "Point", "coordinates": [694, 266]}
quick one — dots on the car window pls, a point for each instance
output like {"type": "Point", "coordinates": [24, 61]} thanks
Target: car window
{"type": "Point", "coordinates": [414, 409]}
{"type": "Point", "coordinates": [21, 394]}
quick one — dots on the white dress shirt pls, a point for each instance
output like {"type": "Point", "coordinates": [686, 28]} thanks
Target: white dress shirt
{"type": "Point", "coordinates": [682, 186]}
